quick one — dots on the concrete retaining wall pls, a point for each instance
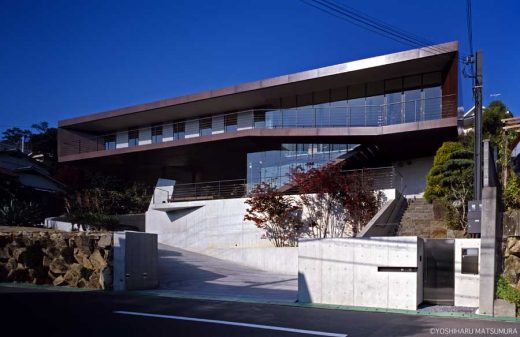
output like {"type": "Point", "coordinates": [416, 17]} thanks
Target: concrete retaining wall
{"type": "Point", "coordinates": [345, 272]}
{"type": "Point", "coordinates": [283, 260]}
{"type": "Point", "coordinates": [202, 225]}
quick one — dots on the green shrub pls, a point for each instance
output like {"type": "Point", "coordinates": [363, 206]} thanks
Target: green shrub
{"type": "Point", "coordinates": [94, 221]}
{"type": "Point", "coordinates": [509, 293]}
{"type": "Point", "coordinates": [434, 188]}
{"type": "Point", "coordinates": [20, 213]}
{"type": "Point", "coordinates": [511, 195]}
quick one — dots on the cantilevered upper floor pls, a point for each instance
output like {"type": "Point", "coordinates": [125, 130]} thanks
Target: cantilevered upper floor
{"type": "Point", "coordinates": [412, 92]}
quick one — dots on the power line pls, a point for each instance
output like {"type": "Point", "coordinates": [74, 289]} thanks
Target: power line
{"type": "Point", "coordinates": [374, 25]}
{"type": "Point", "coordinates": [469, 21]}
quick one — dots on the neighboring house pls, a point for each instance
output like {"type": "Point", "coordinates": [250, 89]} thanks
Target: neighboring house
{"type": "Point", "coordinates": [29, 172]}
{"type": "Point", "coordinates": [34, 178]}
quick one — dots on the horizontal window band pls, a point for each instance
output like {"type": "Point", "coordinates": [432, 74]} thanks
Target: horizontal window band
{"type": "Point", "coordinates": [397, 269]}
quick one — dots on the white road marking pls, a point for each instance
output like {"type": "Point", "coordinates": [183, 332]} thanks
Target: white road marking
{"type": "Point", "coordinates": [247, 325]}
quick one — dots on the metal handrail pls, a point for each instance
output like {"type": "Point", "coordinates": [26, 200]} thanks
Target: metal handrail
{"type": "Point", "coordinates": [301, 117]}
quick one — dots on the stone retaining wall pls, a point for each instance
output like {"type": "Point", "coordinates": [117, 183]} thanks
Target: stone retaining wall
{"type": "Point", "coordinates": [82, 260]}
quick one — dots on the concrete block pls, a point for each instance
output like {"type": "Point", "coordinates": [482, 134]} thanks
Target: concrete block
{"type": "Point", "coordinates": [135, 261]}
{"type": "Point", "coordinates": [503, 308]}
{"type": "Point", "coordinates": [345, 272]}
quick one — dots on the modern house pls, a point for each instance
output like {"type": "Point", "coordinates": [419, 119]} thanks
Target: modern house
{"type": "Point", "coordinates": [386, 111]}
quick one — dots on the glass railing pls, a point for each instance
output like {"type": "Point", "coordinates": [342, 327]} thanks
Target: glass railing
{"type": "Point", "coordinates": [304, 117]}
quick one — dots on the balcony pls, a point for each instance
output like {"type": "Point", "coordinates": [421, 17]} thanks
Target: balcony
{"type": "Point", "coordinates": [329, 115]}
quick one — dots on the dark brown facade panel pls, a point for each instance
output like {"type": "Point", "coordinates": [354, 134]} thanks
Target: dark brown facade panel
{"type": "Point", "coordinates": [353, 71]}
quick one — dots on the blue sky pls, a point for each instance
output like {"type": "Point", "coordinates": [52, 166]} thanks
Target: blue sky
{"type": "Point", "coordinates": [65, 58]}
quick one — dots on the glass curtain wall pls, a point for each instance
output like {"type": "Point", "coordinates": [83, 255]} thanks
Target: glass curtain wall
{"type": "Point", "coordinates": [274, 167]}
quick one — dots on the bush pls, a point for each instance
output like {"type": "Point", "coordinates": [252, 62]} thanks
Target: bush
{"type": "Point", "coordinates": [434, 188]}
{"type": "Point", "coordinates": [511, 195]}
{"type": "Point", "coordinates": [509, 293]}
{"type": "Point", "coordinates": [20, 213]}
{"type": "Point", "coordinates": [94, 221]}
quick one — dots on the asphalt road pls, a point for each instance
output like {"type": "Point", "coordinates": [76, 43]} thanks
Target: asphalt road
{"type": "Point", "coordinates": [28, 312]}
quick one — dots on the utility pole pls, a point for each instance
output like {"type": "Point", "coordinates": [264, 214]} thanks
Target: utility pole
{"type": "Point", "coordinates": [477, 93]}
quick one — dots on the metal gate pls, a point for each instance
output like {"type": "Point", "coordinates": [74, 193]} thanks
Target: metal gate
{"type": "Point", "coordinates": [439, 271]}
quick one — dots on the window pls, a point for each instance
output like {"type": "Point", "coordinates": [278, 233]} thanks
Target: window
{"type": "Point", "coordinates": [230, 122]}
{"type": "Point", "coordinates": [109, 142]}
{"type": "Point", "coordinates": [432, 102]}
{"type": "Point", "coordinates": [259, 119]}
{"type": "Point", "coordinates": [133, 138]}
{"type": "Point", "coordinates": [157, 134]}
{"type": "Point", "coordinates": [205, 126]}
{"type": "Point", "coordinates": [179, 130]}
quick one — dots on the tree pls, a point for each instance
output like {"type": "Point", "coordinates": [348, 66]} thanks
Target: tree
{"type": "Point", "coordinates": [492, 120]}
{"type": "Point", "coordinates": [434, 189]}
{"type": "Point", "coordinates": [276, 214]}
{"type": "Point", "coordinates": [450, 181]}
{"type": "Point", "coordinates": [45, 143]}
{"type": "Point", "coordinates": [336, 204]}
{"type": "Point", "coordinates": [14, 136]}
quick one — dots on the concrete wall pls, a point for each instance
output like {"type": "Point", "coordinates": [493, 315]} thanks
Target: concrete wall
{"type": "Point", "coordinates": [386, 220]}
{"type": "Point", "coordinates": [467, 286]}
{"type": "Point", "coordinates": [281, 260]}
{"type": "Point", "coordinates": [201, 225]}
{"type": "Point", "coordinates": [414, 172]}
{"type": "Point", "coordinates": [345, 272]}
{"type": "Point", "coordinates": [135, 261]}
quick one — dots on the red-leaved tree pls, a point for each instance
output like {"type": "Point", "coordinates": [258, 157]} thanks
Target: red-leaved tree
{"type": "Point", "coordinates": [278, 215]}
{"type": "Point", "coordinates": [335, 203]}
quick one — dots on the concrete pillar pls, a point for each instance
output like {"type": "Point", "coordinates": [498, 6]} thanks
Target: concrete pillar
{"type": "Point", "coordinates": [488, 251]}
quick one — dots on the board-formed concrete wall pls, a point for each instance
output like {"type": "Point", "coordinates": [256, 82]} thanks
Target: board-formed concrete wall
{"type": "Point", "coordinates": [467, 286]}
{"type": "Point", "coordinates": [345, 272]}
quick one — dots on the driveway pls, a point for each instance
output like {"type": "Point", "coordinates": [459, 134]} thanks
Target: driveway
{"type": "Point", "coordinates": [183, 272]}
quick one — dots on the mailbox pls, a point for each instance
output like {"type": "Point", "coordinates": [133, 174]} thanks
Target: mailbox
{"type": "Point", "coordinates": [469, 261]}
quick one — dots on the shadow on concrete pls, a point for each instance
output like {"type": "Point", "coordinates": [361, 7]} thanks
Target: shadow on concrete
{"type": "Point", "coordinates": [192, 274]}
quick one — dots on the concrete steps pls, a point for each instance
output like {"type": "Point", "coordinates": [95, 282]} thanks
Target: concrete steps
{"type": "Point", "coordinates": [419, 220]}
